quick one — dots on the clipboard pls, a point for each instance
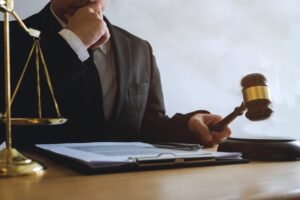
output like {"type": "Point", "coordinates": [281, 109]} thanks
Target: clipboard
{"type": "Point", "coordinates": [160, 161]}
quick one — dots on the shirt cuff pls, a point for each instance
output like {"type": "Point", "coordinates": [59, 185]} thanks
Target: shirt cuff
{"type": "Point", "coordinates": [75, 43]}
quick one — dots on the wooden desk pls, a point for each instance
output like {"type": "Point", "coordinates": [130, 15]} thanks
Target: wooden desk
{"type": "Point", "coordinates": [257, 180]}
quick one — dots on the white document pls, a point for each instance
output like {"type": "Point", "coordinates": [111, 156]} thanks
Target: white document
{"type": "Point", "coordinates": [119, 153]}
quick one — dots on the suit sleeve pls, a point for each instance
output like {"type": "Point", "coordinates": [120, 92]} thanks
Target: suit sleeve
{"type": "Point", "coordinates": [65, 71]}
{"type": "Point", "coordinates": [156, 125]}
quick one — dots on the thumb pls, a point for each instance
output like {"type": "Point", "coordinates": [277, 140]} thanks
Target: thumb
{"type": "Point", "coordinates": [211, 119]}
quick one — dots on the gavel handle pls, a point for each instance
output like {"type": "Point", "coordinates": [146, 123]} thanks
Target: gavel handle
{"type": "Point", "coordinates": [226, 120]}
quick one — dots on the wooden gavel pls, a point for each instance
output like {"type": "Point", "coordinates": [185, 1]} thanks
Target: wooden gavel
{"type": "Point", "coordinates": [256, 102]}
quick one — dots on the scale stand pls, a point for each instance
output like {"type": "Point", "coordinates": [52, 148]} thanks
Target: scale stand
{"type": "Point", "coordinates": [13, 163]}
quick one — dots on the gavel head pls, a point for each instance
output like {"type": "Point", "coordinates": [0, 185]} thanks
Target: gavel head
{"type": "Point", "coordinates": [256, 97]}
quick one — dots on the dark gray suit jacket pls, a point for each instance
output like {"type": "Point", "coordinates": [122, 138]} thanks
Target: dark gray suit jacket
{"type": "Point", "coordinates": [138, 114]}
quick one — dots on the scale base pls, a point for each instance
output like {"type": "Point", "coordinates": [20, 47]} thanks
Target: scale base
{"type": "Point", "coordinates": [13, 163]}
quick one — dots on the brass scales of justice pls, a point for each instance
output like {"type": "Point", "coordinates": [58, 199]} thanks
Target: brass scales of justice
{"type": "Point", "coordinates": [13, 163]}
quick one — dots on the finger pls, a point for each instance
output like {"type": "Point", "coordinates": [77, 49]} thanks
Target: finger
{"type": "Point", "coordinates": [212, 119]}
{"type": "Point", "coordinates": [102, 40]}
{"type": "Point", "coordinates": [95, 7]}
{"type": "Point", "coordinates": [213, 123]}
{"type": "Point", "coordinates": [220, 136]}
{"type": "Point", "coordinates": [96, 45]}
{"type": "Point", "coordinates": [202, 132]}
{"type": "Point", "coordinates": [105, 37]}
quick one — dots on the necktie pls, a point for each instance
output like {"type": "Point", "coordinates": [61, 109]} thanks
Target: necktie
{"type": "Point", "coordinates": [97, 119]}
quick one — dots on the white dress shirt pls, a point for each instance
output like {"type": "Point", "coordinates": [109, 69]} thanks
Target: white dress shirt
{"type": "Point", "coordinates": [104, 61]}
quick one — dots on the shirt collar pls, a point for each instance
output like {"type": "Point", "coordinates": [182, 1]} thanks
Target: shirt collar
{"type": "Point", "coordinates": [104, 48]}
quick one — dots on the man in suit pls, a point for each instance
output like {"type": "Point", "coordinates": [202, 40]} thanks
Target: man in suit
{"type": "Point", "coordinates": [105, 79]}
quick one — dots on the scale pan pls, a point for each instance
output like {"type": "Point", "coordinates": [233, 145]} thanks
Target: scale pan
{"type": "Point", "coordinates": [36, 121]}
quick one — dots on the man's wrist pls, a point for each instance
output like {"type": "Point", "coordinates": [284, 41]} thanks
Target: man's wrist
{"type": "Point", "coordinates": [75, 43]}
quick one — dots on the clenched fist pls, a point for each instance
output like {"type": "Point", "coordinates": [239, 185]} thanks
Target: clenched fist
{"type": "Point", "coordinates": [199, 123]}
{"type": "Point", "coordinates": [88, 25]}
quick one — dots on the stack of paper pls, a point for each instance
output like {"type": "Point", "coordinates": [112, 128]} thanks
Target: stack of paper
{"type": "Point", "coordinates": [119, 153]}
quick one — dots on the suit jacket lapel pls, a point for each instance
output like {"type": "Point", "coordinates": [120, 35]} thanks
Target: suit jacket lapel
{"type": "Point", "coordinates": [122, 55]}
